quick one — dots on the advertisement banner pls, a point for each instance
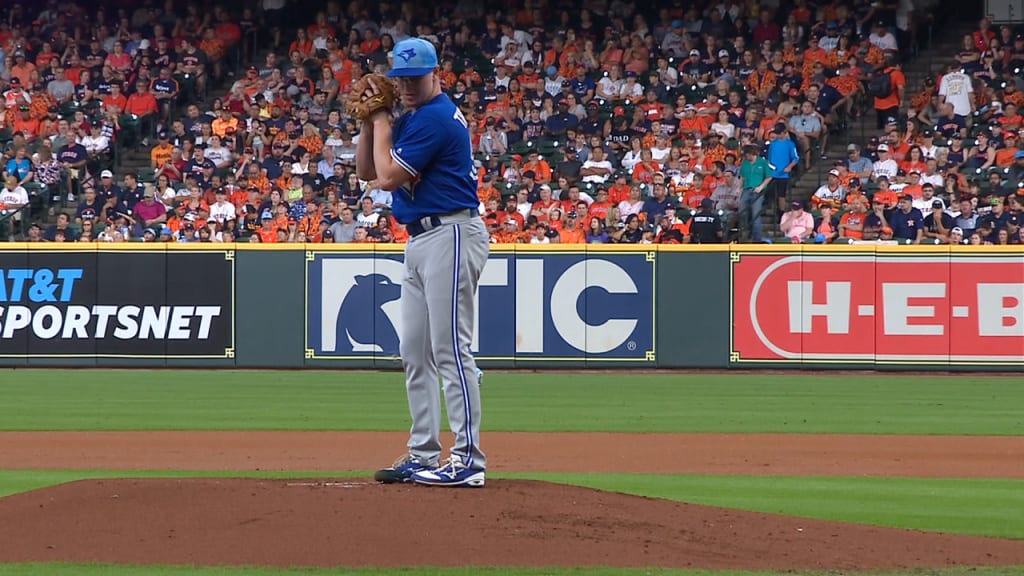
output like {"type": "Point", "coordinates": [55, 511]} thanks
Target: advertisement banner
{"type": "Point", "coordinates": [116, 303]}
{"type": "Point", "coordinates": [545, 306]}
{"type": "Point", "coordinates": [950, 308]}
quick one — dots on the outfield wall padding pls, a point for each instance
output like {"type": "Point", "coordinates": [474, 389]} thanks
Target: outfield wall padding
{"type": "Point", "coordinates": [572, 307]}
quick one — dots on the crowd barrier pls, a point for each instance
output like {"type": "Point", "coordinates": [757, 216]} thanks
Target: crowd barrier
{"type": "Point", "coordinates": [337, 306]}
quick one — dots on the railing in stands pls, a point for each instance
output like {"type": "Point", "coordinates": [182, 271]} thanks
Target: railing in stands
{"type": "Point", "coordinates": [8, 219]}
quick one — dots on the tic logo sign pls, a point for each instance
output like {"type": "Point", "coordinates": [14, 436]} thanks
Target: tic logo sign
{"type": "Point", "coordinates": [884, 308]}
{"type": "Point", "coordinates": [537, 306]}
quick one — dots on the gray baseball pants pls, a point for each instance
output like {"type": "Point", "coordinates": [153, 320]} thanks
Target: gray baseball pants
{"type": "Point", "coordinates": [442, 271]}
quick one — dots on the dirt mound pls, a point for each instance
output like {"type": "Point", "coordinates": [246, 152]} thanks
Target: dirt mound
{"type": "Point", "coordinates": [510, 523]}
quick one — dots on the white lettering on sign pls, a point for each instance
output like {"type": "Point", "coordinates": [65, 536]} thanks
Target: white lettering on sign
{"type": "Point", "coordinates": [124, 322]}
{"type": "Point", "coordinates": [529, 306]}
{"type": "Point", "coordinates": [364, 279]}
{"type": "Point", "coordinates": [802, 308]}
{"type": "Point", "coordinates": [565, 295]}
{"type": "Point", "coordinates": [898, 311]}
{"type": "Point", "coordinates": [1001, 310]}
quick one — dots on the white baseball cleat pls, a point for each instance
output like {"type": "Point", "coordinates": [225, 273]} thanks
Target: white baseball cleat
{"type": "Point", "coordinates": [453, 473]}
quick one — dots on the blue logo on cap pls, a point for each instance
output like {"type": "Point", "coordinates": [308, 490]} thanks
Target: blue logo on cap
{"type": "Point", "coordinates": [407, 54]}
{"type": "Point", "coordinates": [413, 57]}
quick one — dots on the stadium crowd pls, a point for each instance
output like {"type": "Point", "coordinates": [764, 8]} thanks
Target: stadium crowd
{"type": "Point", "coordinates": [593, 122]}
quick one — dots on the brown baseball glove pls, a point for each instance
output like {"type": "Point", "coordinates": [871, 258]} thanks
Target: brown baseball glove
{"type": "Point", "coordinates": [363, 100]}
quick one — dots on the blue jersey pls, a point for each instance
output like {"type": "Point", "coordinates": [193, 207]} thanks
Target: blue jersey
{"type": "Point", "coordinates": [432, 144]}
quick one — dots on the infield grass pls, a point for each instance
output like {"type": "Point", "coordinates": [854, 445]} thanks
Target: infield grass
{"type": "Point", "coordinates": [978, 507]}
{"type": "Point", "coordinates": [527, 402]}
{"type": "Point", "coordinates": [122, 570]}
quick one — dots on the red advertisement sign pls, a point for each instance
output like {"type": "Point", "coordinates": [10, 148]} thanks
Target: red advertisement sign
{"type": "Point", "coordinates": [878, 308]}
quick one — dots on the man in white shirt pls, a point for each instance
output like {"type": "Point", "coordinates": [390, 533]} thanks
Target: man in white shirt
{"type": "Point", "coordinates": [682, 178]}
{"type": "Point", "coordinates": [222, 210]}
{"type": "Point", "coordinates": [931, 174]}
{"type": "Point", "coordinates": [553, 82]}
{"type": "Point", "coordinates": [661, 148]}
{"type": "Point", "coordinates": [956, 88]}
{"type": "Point", "coordinates": [608, 86]}
{"type": "Point", "coordinates": [885, 166]}
{"type": "Point", "coordinates": [501, 77]}
{"type": "Point", "coordinates": [927, 146]}
{"type": "Point", "coordinates": [883, 39]}
{"type": "Point", "coordinates": [924, 203]}
{"type": "Point", "coordinates": [596, 169]}
{"type": "Point", "coordinates": [523, 205]}
{"type": "Point", "coordinates": [13, 197]}
{"type": "Point", "coordinates": [831, 192]}
{"type": "Point", "coordinates": [95, 143]}
{"type": "Point", "coordinates": [367, 217]}
{"type": "Point", "coordinates": [218, 154]}
{"type": "Point", "coordinates": [508, 33]}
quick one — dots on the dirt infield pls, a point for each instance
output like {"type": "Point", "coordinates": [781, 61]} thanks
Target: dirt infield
{"type": "Point", "coordinates": [525, 523]}
{"type": "Point", "coordinates": [761, 454]}
{"type": "Point", "coordinates": [355, 522]}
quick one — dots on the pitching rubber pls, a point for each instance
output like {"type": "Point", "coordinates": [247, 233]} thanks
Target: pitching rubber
{"type": "Point", "coordinates": [389, 476]}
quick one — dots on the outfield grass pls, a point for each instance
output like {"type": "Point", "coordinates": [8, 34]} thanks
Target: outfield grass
{"type": "Point", "coordinates": [119, 570]}
{"type": "Point", "coordinates": [979, 507]}
{"type": "Point", "coordinates": [742, 403]}
{"type": "Point", "coordinates": [322, 400]}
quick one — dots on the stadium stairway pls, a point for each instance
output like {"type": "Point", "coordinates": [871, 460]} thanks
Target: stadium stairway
{"type": "Point", "coordinates": [927, 62]}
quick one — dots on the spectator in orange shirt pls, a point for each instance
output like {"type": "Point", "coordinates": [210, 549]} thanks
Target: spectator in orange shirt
{"type": "Point", "coordinates": [884, 195]}
{"type": "Point", "coordinates": [214, 49]}
{"type": "Point", "coordinates": [22, 70]}
{"type": "Point", "coordinates": [691, 123]}
{"type": "Point", "coordinates": [144, 106]}
{"type": "Point", "coordinates": [26, 124]}
{"type": "Point", "coordinates": [267, 232]}
{"type": "Point", "coordinates": [447, 75]}
{"type": "Point", "coordinates": [851, 225]}
{"type": "Point", "coordinates": [620, 190]}
{"type": "Point", "coordinates": [541, 168]}
{"type": "Point", "coordinates": [223, 122]}
{"type": "Point", "coordinates": [115, 101]}
{"type": "Point", "coordinates": [571, 232]}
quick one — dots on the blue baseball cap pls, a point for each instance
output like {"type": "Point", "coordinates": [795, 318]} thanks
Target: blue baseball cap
{"type": "Point", "coordinates": [413, 57]}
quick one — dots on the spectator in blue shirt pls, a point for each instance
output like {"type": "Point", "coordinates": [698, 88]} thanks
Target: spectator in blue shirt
{"type": "Point", "coordinates": [557, 124]}
{"type": "Point", "coordinates": [782, 159]}
{"type": "Point", "coordinates": [906, 222]}
{"type": "Point", "coordinates": [20, 166]}
{"type": "Point", "coordinates": [655, 206]}
{"type": "Point", "coordinates": [72, 157]}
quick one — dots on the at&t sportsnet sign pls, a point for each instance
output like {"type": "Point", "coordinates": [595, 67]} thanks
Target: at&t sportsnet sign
{"type": "Point", "coordinates": [923, 308]}
{"type": "Point", "coordinates": [537, 306]}
{"type": "Point", "coordinates": [117, 303]}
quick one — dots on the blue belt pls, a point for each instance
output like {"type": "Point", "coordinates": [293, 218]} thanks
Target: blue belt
{"type": "Point", "coordinates": [427, 223]}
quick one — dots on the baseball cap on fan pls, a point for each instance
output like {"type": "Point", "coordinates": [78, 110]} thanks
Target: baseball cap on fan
{"type": "Point", "coordinates": [413, 57]}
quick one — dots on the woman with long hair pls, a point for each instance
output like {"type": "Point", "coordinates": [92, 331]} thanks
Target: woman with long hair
{"type": "Point", "coordinates": [634, 155]}
{"type": "Point", "coordinates": [596, 233]}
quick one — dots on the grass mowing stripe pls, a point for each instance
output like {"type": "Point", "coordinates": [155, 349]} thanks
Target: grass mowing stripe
{"type": "Point", "coordinates": [979, 507]}
{"type": "Point", "coordinates": [983, 507]}
{"type": "Point", "coordinates": [529, 402]}
{"type": "Point", "coordinates": [54, 569]}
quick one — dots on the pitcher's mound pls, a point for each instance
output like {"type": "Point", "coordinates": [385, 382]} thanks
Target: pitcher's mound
{"type": "Point", "coordinates": [507, 523]}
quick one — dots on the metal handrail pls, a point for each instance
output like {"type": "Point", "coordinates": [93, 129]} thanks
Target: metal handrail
{"type": "Point", "coordinates": [7, 219]}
